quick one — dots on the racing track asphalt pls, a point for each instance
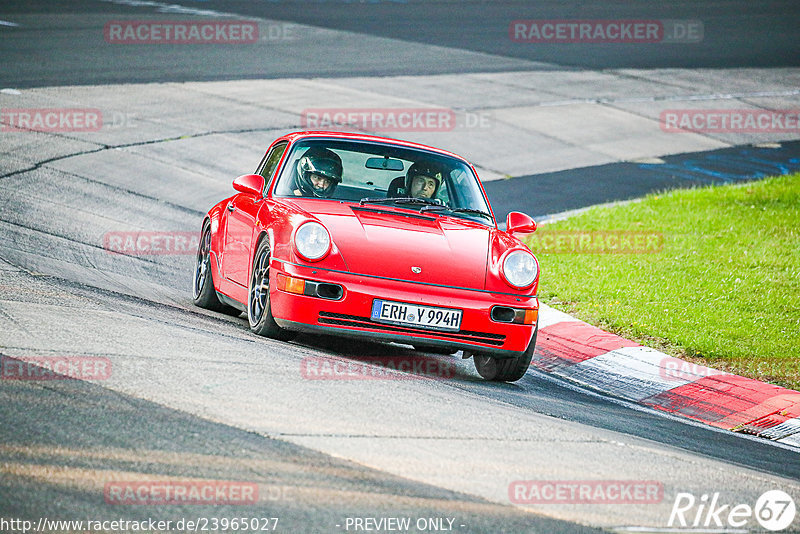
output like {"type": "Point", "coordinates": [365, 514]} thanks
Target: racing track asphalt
{"type": "Point", "coordinates": [187, 382]}
{"type": "Point", "coordinates": [472, 36]}
{"type": "Point", "coordinates": [56, 432]}
{"type": "Point", "coordinates": [737, 33]}
{"type": "Point", "coordinates": [622, 181]}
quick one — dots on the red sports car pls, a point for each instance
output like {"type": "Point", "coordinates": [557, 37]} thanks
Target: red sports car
{"type": "Point", "coordinates": [355, 235]}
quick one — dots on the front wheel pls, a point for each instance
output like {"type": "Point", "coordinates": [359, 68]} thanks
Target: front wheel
{"type": "Point", "coordinates": [259, 312]}
{"type": "Point", "coordinates": [505, 369]}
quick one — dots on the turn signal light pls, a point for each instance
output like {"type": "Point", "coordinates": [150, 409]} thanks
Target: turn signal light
{"type": "Point", "coordinates": [291, 285]}
{"type": "Point", "coordinates": [309, 288]}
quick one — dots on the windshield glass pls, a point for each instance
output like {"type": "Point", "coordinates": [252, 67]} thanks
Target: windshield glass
{"type": "Point", "coordinates": [401, 177]}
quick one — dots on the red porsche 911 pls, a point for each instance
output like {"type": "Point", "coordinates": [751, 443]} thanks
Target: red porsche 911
{"type": "Point", "coordinates": [355, 235]}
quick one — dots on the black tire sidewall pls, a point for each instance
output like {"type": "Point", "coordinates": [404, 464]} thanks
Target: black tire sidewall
{"type": "Point", "coordinates": [257, 327]}
{"type": "Point", "coordinates": [266, 325]}
{"type": "Point", "coordinates": [207, 296]}
{"type": "Point", "coordinates": [507, 369]}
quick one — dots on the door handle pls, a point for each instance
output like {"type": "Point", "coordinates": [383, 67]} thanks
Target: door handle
{"type": "Point", "coordinates": [230, 207]}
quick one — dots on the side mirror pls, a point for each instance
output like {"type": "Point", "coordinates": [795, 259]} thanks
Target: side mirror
{"type": "Point", "coordinates": [517, 222]}
{"type": "Point", "coordinates": [249, 183]}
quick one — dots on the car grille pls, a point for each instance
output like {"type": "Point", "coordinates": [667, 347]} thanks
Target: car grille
{"type": "Point", "coordinates": [464, 336]}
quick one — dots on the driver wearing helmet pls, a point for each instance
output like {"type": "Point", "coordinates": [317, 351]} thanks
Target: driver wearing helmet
{"type": "Point", "coordinates": [423, 180]}
{"type": "Point", "coordinates": [319, 171]}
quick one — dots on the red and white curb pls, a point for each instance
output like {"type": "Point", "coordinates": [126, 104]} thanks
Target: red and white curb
{"type": "Point", "coordinates": [585, 354]}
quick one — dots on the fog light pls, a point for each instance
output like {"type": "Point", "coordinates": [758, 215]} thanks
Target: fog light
{"type": "Point", "coordinates": [329, 291]}
{"type": "Point", "coordinates": [503, 314]}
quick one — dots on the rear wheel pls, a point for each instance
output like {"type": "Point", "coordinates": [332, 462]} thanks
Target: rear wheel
{"type": "Point", "coordinates": [259, 312]}
{"type": "Point", "coordinates": [505, 369]}
{"type": "Point", "coordinates": [203, 293]}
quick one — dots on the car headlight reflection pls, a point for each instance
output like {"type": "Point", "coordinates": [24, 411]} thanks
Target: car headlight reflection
{"type": "Point", "coordinates": [312, 241]}
{"type": "Point", "coordinates": [520, 269]}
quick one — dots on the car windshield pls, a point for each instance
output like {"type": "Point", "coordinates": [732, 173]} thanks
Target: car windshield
{"type": "Point", "coordinates": [374, 173]}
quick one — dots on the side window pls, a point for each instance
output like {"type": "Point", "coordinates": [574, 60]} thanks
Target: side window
{"type": "Point", "coordinates": [270, 163]}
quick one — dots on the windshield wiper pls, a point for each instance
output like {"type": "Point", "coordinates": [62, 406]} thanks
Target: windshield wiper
{"type": "Point", "coordinates": [457, 210]}
{"type": "Point", "coordinates": [416, 200]}
{"type": "Point", "coordinates": [376, 200]}
{"type": "Point", "coordinates": [474, 211]}
{"type": "Point", "coordinates": [400, 200]}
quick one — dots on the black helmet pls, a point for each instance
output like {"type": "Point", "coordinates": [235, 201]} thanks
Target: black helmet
{"type": "Point", "coordinates": [320, 161]}
{"type": "Point", "coordinates": [427, 169]}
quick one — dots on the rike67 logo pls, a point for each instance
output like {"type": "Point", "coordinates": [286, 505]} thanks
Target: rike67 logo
{"type": "Point", "coordinates": [774, 511]}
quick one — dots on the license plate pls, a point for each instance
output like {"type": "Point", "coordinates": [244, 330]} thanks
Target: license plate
{"type": "Point", "coordinates": [431, 317]}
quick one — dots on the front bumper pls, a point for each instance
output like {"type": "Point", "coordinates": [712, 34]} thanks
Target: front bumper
{"type": "Point", "coordinates": [349, 315]}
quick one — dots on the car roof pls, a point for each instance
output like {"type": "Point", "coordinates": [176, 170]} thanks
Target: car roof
{"type": "Point", "coordinates": [292, 137]}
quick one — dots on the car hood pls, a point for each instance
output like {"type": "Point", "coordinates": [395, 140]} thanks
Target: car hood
{"type": "Point", "coordinates": [406, 245]}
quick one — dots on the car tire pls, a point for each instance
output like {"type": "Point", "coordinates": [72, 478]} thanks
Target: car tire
{"type": "Point", "coordinates": [259, 310]}
{"type": "Point", "coordinates": [203, 293]}
{"type": "Point", "coordinates": [505, 369]}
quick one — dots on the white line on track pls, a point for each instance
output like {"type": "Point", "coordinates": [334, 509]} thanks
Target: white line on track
{"type": "Point", "coordinates": [172, 8]}
{"type": "Point", "coordinates": [674, 98]}
{"type": "Point", "coordinates": [6, 23]}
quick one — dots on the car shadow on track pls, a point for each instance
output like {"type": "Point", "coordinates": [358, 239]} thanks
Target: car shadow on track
{"type": "Point", "coordinates": [359, 359]}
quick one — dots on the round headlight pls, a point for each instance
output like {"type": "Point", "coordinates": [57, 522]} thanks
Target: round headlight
{"type": "Point", "coordinates": [312, 241]}
{"type": "Point", "coordinates": [520, 269]}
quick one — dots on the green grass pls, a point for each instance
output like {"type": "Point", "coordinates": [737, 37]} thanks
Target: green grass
{"type": "Point", "coordinates": [724, 290]}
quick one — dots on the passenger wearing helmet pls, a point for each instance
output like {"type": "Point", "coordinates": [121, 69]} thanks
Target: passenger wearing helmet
{"type": "Point", "coordinates": [319, 171]}
{"type": "Point", "coordinates": [423, 180]}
